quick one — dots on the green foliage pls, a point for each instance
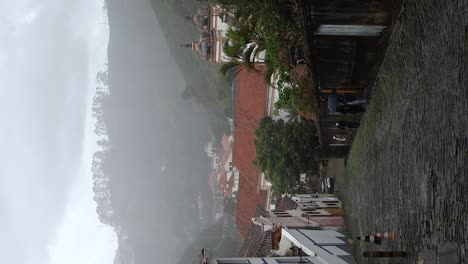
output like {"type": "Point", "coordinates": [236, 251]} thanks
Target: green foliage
{"type": "Point", "coordinates": [297, 96]}
{"type": "Point", "coordinates": [226, 67]}
{"type": "Point", "coordinates": [285, 150]}
{"type": "Point", "coordinates": [270, 26]}
{"type": "Point", "coordinates": [267, 25]}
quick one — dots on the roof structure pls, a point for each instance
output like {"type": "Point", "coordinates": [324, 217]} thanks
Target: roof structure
{"type": "Point", "coordinates": [255, 236]}
{"type": "Point", "coordinates": [285, 203]}
{"type": "Point", "coordinates": [225, 141]}
{"type": "Point", "coordinates": [250, 108]}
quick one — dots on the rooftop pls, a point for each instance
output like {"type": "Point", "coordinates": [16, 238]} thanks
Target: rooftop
{"type": "Point", "coordinates": [250, 108]}
{"type": "Point", "coordinates": [285, 203]}
{"type": "Point", "coordinates": [255, 236]}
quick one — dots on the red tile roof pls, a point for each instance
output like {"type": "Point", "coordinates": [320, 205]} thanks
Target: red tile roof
{"type": "Point", "coordinates": [225, 142]}
{"type": "Point", "coordinates": [250, 108]}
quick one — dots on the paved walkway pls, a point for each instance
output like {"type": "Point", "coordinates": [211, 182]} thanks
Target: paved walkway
{"type": "Point", "coordinates": [336, 170]}
{"type": "Point", "coordinates": [407, 170]}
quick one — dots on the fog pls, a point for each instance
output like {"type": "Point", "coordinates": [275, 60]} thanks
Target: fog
{"type": "Point", "coordinates": [156, 164]}
{"type": "Point", "coordinates": [87, 77]}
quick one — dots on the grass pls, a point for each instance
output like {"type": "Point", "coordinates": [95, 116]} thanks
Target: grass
{"type": "Point", "coordinates": [385, 88]}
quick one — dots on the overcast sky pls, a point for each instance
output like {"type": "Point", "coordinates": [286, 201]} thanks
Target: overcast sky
{"type": "Point", "coordinates": [50, 52]}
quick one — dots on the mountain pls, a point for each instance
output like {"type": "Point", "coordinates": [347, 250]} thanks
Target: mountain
{"type": "Point", "coordinates": [153, 167]}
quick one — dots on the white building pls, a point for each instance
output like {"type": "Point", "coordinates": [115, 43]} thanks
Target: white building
{"type": "Point", "coordinates": [318, 246]}
{"type": "Point", "coordinates": [327, 245]}
{"type": "Point", "coordinates": [305, 201]}
{"type": "Point", "coordinates": [270, 260]}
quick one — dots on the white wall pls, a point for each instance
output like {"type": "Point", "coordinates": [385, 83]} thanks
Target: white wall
{"type": "Point", "coordinates": [326, 244]}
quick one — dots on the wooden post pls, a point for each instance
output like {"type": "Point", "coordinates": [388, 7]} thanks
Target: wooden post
{"type": "Point", "coordinates": [373, 239]}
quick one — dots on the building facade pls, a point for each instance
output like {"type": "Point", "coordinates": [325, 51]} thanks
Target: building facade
{"type": "Point", "coordinates": [269, 260]}
{"type": "Point", "coordinates": [213, 23]}
{"type": "Point", "coordinates": [307, 246]}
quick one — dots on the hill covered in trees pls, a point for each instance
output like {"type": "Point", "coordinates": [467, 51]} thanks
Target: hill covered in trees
{"type": "Point", "coordinates": [150, 170]}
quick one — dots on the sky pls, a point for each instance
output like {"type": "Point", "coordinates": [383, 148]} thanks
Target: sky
{"type": "Point", "coordinates": [50, 53]}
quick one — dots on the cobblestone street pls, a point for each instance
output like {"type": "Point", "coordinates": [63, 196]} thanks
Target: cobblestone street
{"type": "Point", "coordinates": [407, 171]}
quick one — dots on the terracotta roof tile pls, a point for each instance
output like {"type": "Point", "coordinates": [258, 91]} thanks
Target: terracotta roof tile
{"type": "Point", "coordinates": [249, 110]}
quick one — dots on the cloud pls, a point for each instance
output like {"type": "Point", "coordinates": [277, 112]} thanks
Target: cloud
{"type": "Point", "coordinates": [30, 16]}
{"type": "Point", "coordinates": [81, 238]}
{"type": "Point", "coordinates": [46, 71]}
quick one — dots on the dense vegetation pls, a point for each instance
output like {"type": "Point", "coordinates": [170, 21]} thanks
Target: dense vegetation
{"type": "Point", "coordinates": [152, 120]}
{"type": "Point", "coordinates": [101, 182]}
{"type": "Point", "coordinates": [285, 150]}
{"type": "Point", "coordinates": [267, 32]}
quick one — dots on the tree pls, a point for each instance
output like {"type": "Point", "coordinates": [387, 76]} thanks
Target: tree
{"type": "Point", "coordinates": [285, 150]}
{"type": "Point", "coordinates": [231, 69]}
{"type": "Point", "coordinates": [297, 96]}
{"type": "Point", "coordinates": [267, 28]}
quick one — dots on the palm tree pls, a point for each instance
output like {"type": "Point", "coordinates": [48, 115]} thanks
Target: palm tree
{"type": "Point", "coordinates": [293, 115]}
{"type": "Point", "coordinates": [244, 45]}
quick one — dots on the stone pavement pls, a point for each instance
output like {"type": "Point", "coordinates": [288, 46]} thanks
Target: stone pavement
{"type": "Point", "coordinates": [407, 171]}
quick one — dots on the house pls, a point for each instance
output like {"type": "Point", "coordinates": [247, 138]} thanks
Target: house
{"type": "Point", "coordinates": [250, 91]}
{"type": "Point", "coordinates": [213, 22]}
{"type": "Point", "coordinates": [268, 260]}
{"type": "Point", "coordinates": [312, 212]}
{"type": "Point", "coordinates": [317, 213]}
{"type": "Point", "coordinates": [228, 175]}
{"type": "Point", "coordinates": [258, 241]}
{"type": "Point", "coordinates": [330, 246]}
{"type": "Point", "coordinates": [226, 142]}
{"type": "Point", "coordinates": [305, 246]}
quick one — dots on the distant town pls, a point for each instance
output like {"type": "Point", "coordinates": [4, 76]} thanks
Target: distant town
{"type": "Point", "coordinates": [302, 74]}
{"type": "Point", "coordinates": [272, 223]}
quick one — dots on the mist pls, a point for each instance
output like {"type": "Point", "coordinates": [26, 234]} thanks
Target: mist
{"type": "Point", "coordinates": [154, 159]}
